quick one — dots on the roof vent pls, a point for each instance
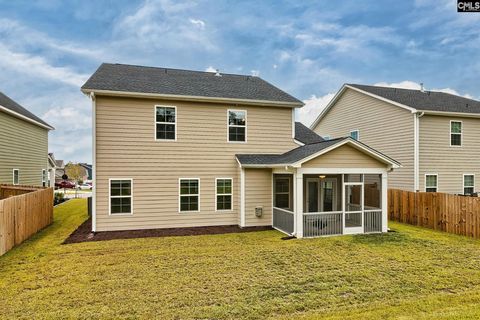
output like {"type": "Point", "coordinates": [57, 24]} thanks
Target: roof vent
{"type": "Point", "coordinates": [217, 73]}
{"type": "Point", "coordinates": [422, 88]}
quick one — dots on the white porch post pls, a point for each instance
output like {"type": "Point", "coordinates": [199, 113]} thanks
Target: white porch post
{"type": "Point", "coordinates": [299, 205]}
{"type": "Point", "coordinates": [384, 202]}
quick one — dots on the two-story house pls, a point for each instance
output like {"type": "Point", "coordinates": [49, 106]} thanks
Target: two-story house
{"type": "Point", "coordinates": [178, 148]}
{"type": "Point", "coordinates": [23, 145]}
{"type": "Point", "coordinates": [433, 134]}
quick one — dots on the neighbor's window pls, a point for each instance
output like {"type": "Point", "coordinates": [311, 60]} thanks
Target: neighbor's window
{"type": "Point", "coordinates": [468, 184]}
{"type": "Point", "coordinates": [121, 196]}
{"type": "Point", "coordinates": [44, 177]}
{"type": "Point", "coordinates": [431, 183]}
{"type": "Point", "coordinates": [455, 133]}
{"type": "Point", "coordinates": [189, 195]}
{"type": "Point", "coordinates": [282, 192]}
{"type": "Point", "coordinates": [224, 194]}
{"type": "Point", "coordinates": [355, 134]}
{"type": "Point", "coordinates": [16, 176]}
{"type": "Point", "coordinates": [237, 126]}
{"type": "Point", "coordinates": [165, 122]}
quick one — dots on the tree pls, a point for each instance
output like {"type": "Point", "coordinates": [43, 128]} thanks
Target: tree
{"type": "Point", "coordinates": [74, 172]}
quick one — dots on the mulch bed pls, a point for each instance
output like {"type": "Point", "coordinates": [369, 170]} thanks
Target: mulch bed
{"type": "Point", "coordinates": [84, 233]}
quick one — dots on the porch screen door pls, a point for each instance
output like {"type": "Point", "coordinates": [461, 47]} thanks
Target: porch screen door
{"type": "Point", "coordinates": [353, 200]}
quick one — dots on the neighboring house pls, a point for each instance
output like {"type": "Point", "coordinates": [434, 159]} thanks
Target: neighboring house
{"type": "Point", "coordinates": [88, 169]}
{"type": "Point", "coordinates": [52, 167]}
{"type": "Point", "coordinates": [178, 148]}
{"type": "Point", "coordinates": [59, 170]}
{"type": "Point", "coordinates": [23, 145]}
{"type": "Point", "coordinates": [433, 134]}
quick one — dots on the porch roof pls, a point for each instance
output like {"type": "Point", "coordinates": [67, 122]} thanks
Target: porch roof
{"type": "Point", "coordinates": [297, 156]}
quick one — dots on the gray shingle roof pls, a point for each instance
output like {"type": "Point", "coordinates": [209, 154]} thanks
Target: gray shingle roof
{"type": "Point", "coordinates": [299, 153]}
{"type": "Point", "coordinates": [428, 100]}
{"type": "Point", "coordinates": [305, 135]}
{"type": "Point", "coordinates": [139, 79]}
{"type": "Point", "coordinates": [15, 107]}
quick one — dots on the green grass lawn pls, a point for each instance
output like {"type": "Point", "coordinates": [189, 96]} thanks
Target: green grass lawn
{"type": "Point", "coordinates": [411, 273]}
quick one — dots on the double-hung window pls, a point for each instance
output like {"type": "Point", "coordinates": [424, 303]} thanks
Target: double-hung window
{"type": "Point", "coordinates": [165, 123]}
{"type": "Point", "coordinates": [16, 176]}
{"type": "Point", "coordinates": [431, 183]}
{"type": "Point", "coordinates": [224, 194]}
{"type": "Point", "coordinates": [121, 196]}
{"type": "Point", "coordinates": [189, 195]}
{"type": "Point", "coordinates": [237, 126]}
{"type": "Point", "coordinates": [355, 134]}
{"type": "Point", "coordinates": [455, 133]}
{"type": "Point", "coordinates": [44, 177]}
{"type": "Point", "coordinates": [468, 184]}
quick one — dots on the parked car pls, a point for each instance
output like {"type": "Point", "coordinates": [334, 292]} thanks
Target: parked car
{"type": "Point", "coordinates": [84, 186]}
{"type": "Point", "coordinates": [65, 184]}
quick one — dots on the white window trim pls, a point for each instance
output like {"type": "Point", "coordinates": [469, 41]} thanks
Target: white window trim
{"type": "Point", "coordinates": [185, 195]}
{"type": "Point", "coordinates": [110, 198]}
{"type": "Point", "coordinates": [464, 186]}
{"type": "Point", "coordinates": [44, 180]}
{"type": "Point", "coordinates": [289, 190]}
{"type": "Point", "coordinates": [461, 134]}
{"type": "Point", "coordinates": [358, 134]}
{"type": "Point", "coordinates": [13, 177]}
{"type": "Point", "coordinates": [425, 183]}
{"type": "Point", "coordinates": [155, 122]}
{"type": "Point", "coordinates": [233, 125]}
{"type": "Point", "coordinates": [223, 194]}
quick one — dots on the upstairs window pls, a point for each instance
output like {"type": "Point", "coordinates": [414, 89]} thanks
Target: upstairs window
{"type": "Point", "coordinates": [16, 176]}
{"type": "Point", "coordinates": [44, 177]}
{"type": "Point", "coordinates": [455, 133]}
{"type": "Point", "coordinates": [468, 184]}
{"type": "Point", "coordinates": [189, 195]}
{"type": "Point", "coordinates": [237, 126]}
{"type": "Point", "coordinates": [121, 196]}
{"type": "Point", "coordinates": [431, 183]}
{"type": "Point", "coordinates": [355, 134]}
{"type": "Point", "coordinates": [165, 123]}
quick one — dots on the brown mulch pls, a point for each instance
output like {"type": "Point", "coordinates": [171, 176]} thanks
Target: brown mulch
{"type": "Point", "coordinates": [84, 233]}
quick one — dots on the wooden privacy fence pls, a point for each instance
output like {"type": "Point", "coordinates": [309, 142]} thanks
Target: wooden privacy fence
{"type": "Point", "coordinates": [439, 211]}
{"type": "Point", "coordinates": [23, 215]}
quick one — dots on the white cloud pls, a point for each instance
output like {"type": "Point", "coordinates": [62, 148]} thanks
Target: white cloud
{"type": "Point", "coordinates": [407, 84]}
{"type": "Point", "coordinates": [255, 73]}
{"type": "Point", "coordinates": [198, 23]}
{"type": "Point", "coordinates": [211, 69]}
{"type": "Point", "coordinates": [312, 108]}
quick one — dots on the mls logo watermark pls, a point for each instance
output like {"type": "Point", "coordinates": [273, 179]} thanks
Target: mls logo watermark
{"type": "Point", "coordinates": [468, 6]}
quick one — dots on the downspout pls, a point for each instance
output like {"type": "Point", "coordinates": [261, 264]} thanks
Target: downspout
{"type": "Point", "coordinates": [94, 163]}
{"type": "Point", "coordinates": [416, 152]}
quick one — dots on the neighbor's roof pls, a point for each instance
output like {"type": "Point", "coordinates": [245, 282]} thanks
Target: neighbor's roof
{"type": "Point", "coordinates": [305, 135]}
{"type": "Point", "coordinates": [121, 78]}
{"type": "Point", "coordinates": [424, 101]}
{"type": "Point", "coordinates": [19, 111]}
{"type": "Point", "coordinates": [303, 152]}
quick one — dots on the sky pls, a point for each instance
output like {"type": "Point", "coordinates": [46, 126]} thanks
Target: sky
{"type": "Point", "coordinates": [48, 49]}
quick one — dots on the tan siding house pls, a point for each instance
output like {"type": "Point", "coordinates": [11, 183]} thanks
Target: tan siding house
{"type": "Point", "coordinates": [178, 148]}
{"type": "Point", "coordinates": [414, 127]}
{"type": "Point", "coordinates": [23, 145]}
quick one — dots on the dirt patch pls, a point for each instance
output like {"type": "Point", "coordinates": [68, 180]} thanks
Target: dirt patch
{"type": "Point", "coordinates": [84, 234]}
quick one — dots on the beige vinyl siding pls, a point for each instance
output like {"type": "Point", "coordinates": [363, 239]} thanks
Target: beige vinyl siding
{"type": "Point", "coordinates": [450, 163]}
{"type": "Point", "coordinates": [383, 126]}
{"type": "Point", "coordinates": [258, 193]}
{"type": "Point", "coordinates": [126, 148]}
{"type": "Point", "coordinates": [344, 157]}
{"type": "Point", "coordinates": [23, 146]}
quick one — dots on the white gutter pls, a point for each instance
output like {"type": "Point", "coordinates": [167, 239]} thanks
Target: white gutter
{"type": "Point", "coordinates": [196, 98]}
{"type": "Point", "coordinates": [21, 116]}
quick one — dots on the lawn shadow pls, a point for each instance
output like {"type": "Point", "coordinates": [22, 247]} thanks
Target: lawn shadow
{"type": "Point", "coordinates": [393, 237]}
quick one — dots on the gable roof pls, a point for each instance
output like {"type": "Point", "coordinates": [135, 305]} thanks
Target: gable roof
{"type": "Point", "coordinates": [304, 153]}
{"type": "Point", "coordinates": [13, 108]}
{"type": "Point", "coordinates": [424, 101]}
{"type": "Point", "coordinates": [304, 135]}
{"type": "Point", "coordinates": [176, 83]}
{"type": "Point", "coordinates": [432, 102]}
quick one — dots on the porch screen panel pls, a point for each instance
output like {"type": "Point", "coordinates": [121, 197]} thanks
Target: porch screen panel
{"type": "Point", "coordinates": [372, 191]}
{"type": "Point", "coordinates": [283, 192]}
